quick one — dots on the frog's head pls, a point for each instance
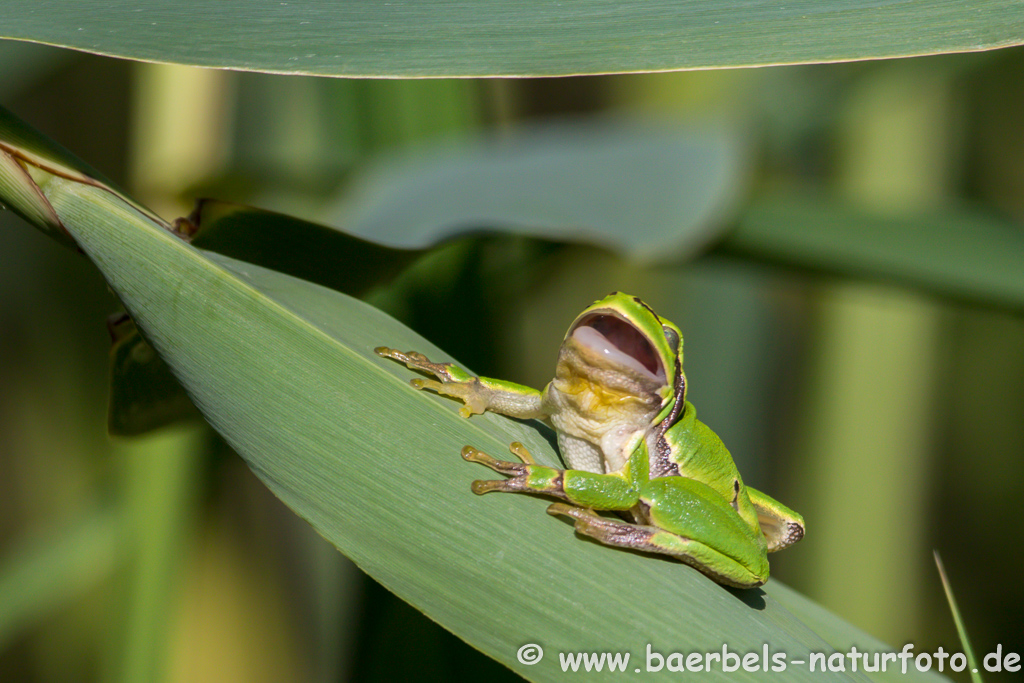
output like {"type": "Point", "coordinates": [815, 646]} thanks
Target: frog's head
{"type": "Point", "coordinates": [624, 341]}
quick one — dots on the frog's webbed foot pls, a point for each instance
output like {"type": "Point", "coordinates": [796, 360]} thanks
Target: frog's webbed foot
{"type": "Point", "coordinates": [526, 476]}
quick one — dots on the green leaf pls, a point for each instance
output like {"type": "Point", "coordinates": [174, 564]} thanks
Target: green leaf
{"type": "Point", "coordinates": [513, 37]}
{"type": "Point", "coordinates": [27, 160]}
{"type": "Point", "coordinates": [284, 370]}
{"type": "Point", "coordinates": [144, 395]}
{"type": "Point", "coordinates": [647, 189]}
{"type": "Point", "coordinates": [296, 247]}
{"type": "Point", "coordinates": [961, 630]}
{"type": "Point", "coordinates": [952, 251]}
{"type": "Point", "coordinates": [566, 183]}
{"type": "Point", "coordinates": [23, 196]}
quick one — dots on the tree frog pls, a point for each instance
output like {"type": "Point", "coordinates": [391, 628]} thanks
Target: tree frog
{"type": "Point", "coordinates": [632, 445]}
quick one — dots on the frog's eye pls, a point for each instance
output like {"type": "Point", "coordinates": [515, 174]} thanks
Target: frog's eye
{"type": "Point", "coordinates": [619, 342]}
{"type": "Point", "coordinates": [672, 337]}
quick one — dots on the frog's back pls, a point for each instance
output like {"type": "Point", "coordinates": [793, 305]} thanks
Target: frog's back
{"type": "Point", "coordinates": [697, 452]}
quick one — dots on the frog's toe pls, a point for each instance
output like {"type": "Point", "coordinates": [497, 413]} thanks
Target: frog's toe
{"type": "Point", "coordinates": [482, 486]}
{"type": "Point", "coordinates": [475, 455]}
{"type": "Point", "coordinates": [503, 466]}
{"type": "Point", "coordinates": [519, 450]}
{"type": "Point", "coordinates": [410, 358]}
{"type": "Point", "coordinates": [518, 484]}
{"type": "Point", "coordinates": [433, 385]}
{"type": "Point", "coordinates": [573, 511]}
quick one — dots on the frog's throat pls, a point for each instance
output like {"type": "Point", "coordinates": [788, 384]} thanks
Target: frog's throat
{"type": "Point", "coordinates": [596, 399]}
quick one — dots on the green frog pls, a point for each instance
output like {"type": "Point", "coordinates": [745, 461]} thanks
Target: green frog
{"type": "Point", "coordinates": [632, 445]}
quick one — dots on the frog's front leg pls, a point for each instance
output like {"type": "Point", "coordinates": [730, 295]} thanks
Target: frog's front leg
{"type": "Point", "coordinates": [478, 393]}
{"type": "Point", "coordinates": [605, 491]}
{"type": "Point", "coordinates": [688, 521]}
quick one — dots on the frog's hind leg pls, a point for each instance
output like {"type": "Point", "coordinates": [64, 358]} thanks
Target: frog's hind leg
{"type": "Point", "coordinates": [781, 526]}
{"type": "Point", "coordinates": [676, 536]}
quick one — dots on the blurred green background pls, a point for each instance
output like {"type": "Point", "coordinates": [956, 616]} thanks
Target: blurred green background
{"type": "Point", "coordinates": [885, 405]}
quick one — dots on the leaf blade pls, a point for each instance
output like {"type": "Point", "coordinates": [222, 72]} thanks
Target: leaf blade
{"type": "Point", "coordinates": [284, 370]}
{"type": "Point", "coordinates": [330, 428]}
{"type": "Point", "coordinates": [562, 181]}
{"type": "Point", "coordinates": [951, 251]}
{"type": "Point", "coordinates": [514, 37]}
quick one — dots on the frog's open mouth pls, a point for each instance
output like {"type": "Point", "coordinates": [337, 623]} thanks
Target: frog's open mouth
{"type": "Point", "coordinates": [618, 342]}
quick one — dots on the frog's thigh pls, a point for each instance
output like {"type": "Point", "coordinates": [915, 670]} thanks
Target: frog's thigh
{"type": "Point", "coordinates": [701, 528]}
{"type": "Point", "coordinates": [652, 539]}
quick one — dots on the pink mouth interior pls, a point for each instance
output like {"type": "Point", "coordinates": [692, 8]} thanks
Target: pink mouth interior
{"type": "Point", "coordinates": [619, 342]}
